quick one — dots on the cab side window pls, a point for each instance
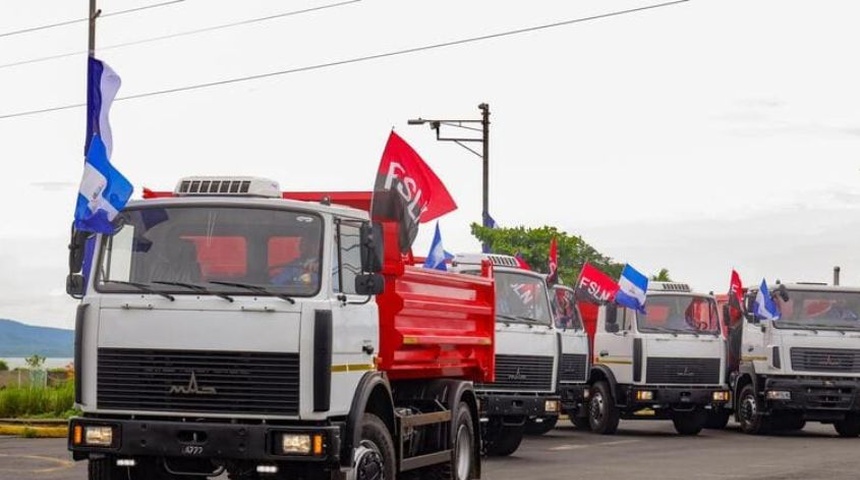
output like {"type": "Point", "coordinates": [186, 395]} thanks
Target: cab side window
{"type": "Point", "coordinates": [347, 257]}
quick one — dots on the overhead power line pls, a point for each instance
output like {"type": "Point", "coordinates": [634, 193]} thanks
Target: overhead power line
{"type": "Point", "coordinates": [356, 59]}
{"type": "Point", "coordinates": [179, 34]}
{"type": "Point", "coordinates": [81, 20]}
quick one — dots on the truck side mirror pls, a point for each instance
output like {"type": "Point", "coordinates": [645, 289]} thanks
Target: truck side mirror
{"type": "Point", "coordinates": [369, 284]}
{"type": "Point", "coordinates": [781, 292]}
{"type": "Point", "coordinates": [611, 317]}
{"type": "Point", "coordinates": [748, 307]}
{"type": "Point", "coordinates": [77, 246]}
{"type": "Point", "coordinates": [371, 248]}
{"type": "Point", "coordinates": [727, 320]}
{"type": "Point", "coordinates": [75, 285]}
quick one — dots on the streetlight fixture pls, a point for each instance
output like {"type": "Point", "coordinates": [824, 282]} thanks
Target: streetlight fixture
{"type": "Point", "coordinates": [461, 141]}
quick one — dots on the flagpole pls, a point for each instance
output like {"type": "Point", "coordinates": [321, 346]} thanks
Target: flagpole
{"type": "Point", "coordinates": [91, 41]}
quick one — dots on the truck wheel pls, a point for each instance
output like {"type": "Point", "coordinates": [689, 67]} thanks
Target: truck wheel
{"type": "Point", "coordinates": [849, 427]}
{"type": "Point", "coordinates": [581, 423]}
{"type": "Point", "coordinates": [103, 469]}
{"type": "Point", "coordinates": [534, 428]}
{"type": "Point", "coordinates": [717, 419]}
{"type": "Point", "coordinates": [603, 415]}
{"type": "Point", "coordinates": [689, 423]}
{"type": "Point", "coordinates": [374, 455]}
{"type": "Point", "coordinates": [461, 465]}
{"type": "Point", "coordinates": [505, 441]}
{"type": "Point", "coordinates": [749, 408]}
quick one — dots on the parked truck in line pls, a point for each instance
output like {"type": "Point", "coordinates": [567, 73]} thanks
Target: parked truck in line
{"type": "Point", "coordinates": [803, 366]}
{"type": "Point", "coordinates": [574, 367]}
{"type": "Point", "coordinates": [667, 363]}
{"type": "Point", "coordinates": [190, 362]}
{"type": "Point", "coordinates": [524, 391]}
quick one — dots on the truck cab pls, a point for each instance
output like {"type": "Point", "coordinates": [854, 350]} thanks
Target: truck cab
{"type": "Point", "coordinates": [803, 366]}
{"type": "Point", "coordinates": [527, 354]}
{"type": "Point", "coordinates": [575, 354]}
{"type": "Point", "coordinates": [224, 328]}
{"type": "Point", "coordinates": [667, 363]}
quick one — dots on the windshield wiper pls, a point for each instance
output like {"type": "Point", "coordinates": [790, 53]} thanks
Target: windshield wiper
{"type": "Point", "coordinates": [255, 288]}
{"type": "Point", "coordinates": [196, 288]}
{"type": "Point", "coordinates": [663, 330]}
{"type": "Point", "coordinates": [143, 288]}
{"type": "Point", "coordinates": [827, 327]}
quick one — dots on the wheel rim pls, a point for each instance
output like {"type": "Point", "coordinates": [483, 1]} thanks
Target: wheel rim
{"type": "Point", "coordinates": [598, 408]}
{"type": "Point", "coordinates": [749, 409]}
{"type": "Point", "coordinates": [368, 462]}
{"type": "Point", "coordinates": [464, 452]}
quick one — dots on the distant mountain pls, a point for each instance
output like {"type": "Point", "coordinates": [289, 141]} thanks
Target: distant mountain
{"type": "Point", "coordinates": [21, 340]}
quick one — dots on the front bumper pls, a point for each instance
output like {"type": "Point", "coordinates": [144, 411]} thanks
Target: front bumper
{"type": "Point", "coordinates": [818, 398]}
{"type": "Point", "coordinates": [573, 397]}
{"type": "Point", "coordinates": [199, 440]}
{"type": "Point", "coordinates": [518, 405]}
{"type": "Point", "coordinates": [677, 397]}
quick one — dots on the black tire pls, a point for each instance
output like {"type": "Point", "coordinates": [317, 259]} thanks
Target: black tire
{"type": "Point", "coordinates": [603, 415]}
{"type": "Point", "coordinates": [788, 423]}
{"type": "Point", "coordinates": [103, 469]}
{"type": "Point", "coordinates": [505, 440]}
{"type": "Point", "coordinates": [546, 425]}
{"type": "Point", "coordinates": [849, 427]}
{"type": "Point", "coordinates": [581, 423]}
{"type": "Point", "coordinates": [749, 408]}
{"type": "Point", "coordinates": [374, 455]}
{"type": "Point", "coordinates": [462, 464]}
{"type": "Point", "coordinates": [717, 419]}
{"type": "Point", "coordinates": [689, 423]}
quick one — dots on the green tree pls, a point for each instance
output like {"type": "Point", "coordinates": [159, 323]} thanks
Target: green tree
{"type": "Point", "coordinates": [533, 245]}
{"type": "Point", "coordinates": [3, 366]}
{"type": "Point", "coordinates": [35, 361]}
{"type": "Point", "coordinates": [662, 276]}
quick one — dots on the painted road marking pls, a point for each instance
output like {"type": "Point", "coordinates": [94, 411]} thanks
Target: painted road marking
{"type": "Point", "coordinates": [61, 464]}
{"type": "Point", "coordinates": [571, 446]}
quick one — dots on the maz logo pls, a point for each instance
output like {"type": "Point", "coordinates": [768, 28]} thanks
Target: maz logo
{"type": "Point", "coordinates": [686, 373]}
{"type": "Point", "coordinates": [192, 388]}
{"type": "Point", "coordinates": [517, 375]}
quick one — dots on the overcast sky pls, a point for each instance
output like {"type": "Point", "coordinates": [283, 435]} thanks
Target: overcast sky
{"type": "Point", "coordinates": [697, 137]}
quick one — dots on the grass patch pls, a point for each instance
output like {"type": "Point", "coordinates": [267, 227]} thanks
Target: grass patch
{"type": "Point", "coordinates": [34, 432]}
{"type": "Point", "coordinates": [26, 402]}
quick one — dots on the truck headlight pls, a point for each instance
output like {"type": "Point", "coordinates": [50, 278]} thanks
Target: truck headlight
{"type": "Point", "coordinates": [644, 395]}
{"type": "Point", "coordinates": [98, 435]}
{"type": "Point", "coordinates": [778, 395]}
{"type": "Point", "coordinates": [586, 393]}
{"type": "Point", "coordinates": [550, 406]}
{"type": "Point", "coordinates": [721, 396]}
{"type": "Point", "coordinates": [296, 443]}
{"type": "Point", "coordinates": [302, 443]}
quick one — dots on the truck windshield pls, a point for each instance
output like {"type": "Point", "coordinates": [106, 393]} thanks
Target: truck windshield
{"type": "Point", "coordinates": [564, 310]}
{"type": "Point", "coordinates": [173, 249]}
{"type": "Point", "coordinates": [819, 310]}
{"type": "Point", "coordinates": [521, 297]}
{"type": "Point", "coordinates": [687, 314]}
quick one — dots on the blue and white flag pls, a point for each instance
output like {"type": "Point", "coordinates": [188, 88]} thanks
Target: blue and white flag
{"type": "Point", "coordinates": [436, 257]}
{"type": "Point", "coordinates": [103, 192]}
{"type": "Point", "coordinates": [489, 222]}
{"type": "Point", "coordinates": [632, 288]}
{"type": "Point", "coordinates": [764, 307]}
{"type": "Point", "coordinates": [102, 85]}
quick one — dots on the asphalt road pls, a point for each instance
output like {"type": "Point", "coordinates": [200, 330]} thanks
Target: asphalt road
{"type": "Point", "coordinates": [641, 450]}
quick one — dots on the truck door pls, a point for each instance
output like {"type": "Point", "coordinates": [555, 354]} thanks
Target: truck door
{"type": "Point", "coordinates": [614, 343]}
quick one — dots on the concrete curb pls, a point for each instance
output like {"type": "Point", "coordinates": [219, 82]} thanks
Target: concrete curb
{"type": "Point", "coordinates": [34, 428]}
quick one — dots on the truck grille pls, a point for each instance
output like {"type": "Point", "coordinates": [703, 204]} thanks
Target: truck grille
{"type": "Point", "coordinates": [198, 381]}
{"type": "Point", "coordinates": [522, 372]}
{"type": "Point", "coordinates": [573, 368]}
{"type": "Point", "coordinates": [825, 360]}
{"type": "Point", "coordinates": [685, 371]}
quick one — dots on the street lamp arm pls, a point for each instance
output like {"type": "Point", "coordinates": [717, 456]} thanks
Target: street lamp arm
{"type": "Point", "coordinates": [458, 142]}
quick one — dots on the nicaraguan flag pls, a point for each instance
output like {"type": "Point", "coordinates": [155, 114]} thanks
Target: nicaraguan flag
{"type": "Point", "coordinates": [103, 192]}
{"type": "Point", "coordinates": [764, 307]}
{"type": "Point", "coordinates": [436, 257]}
{"type": "Point", "coordinates": [632, 288]}
{"type": "Point", "coordinates": [102, 85]}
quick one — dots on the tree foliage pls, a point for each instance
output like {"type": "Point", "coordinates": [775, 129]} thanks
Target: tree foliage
{"type": "Point", "coordinates": [662, 276]}
{"type": "Point", "coordinates": [533, 245]}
